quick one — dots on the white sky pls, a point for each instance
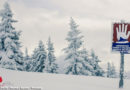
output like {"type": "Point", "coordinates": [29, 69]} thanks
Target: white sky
{"type": "Point", "coordinates": [39, 19]}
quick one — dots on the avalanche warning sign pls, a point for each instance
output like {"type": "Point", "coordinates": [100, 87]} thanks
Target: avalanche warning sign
{"type": "Point", "coordinates": [121, 38]}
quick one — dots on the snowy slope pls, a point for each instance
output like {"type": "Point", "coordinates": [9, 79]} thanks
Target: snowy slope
{"type": "Point", "coordinates": [59, 82]}
{"type": "Point", "coordinates": [128, 74]}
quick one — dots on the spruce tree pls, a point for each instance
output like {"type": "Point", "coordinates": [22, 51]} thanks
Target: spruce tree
{"type": "Point", "coordinates": [11, 56]}
{"type": "Point", "coordinates": [111, 71]}
{"type": "Point", "coordinates": [51, 66]}
{"type": "Point", "coordinates": [108, 69]}
{"type": "Point", "coordinates": [39, 56]}
{"type": "Point", "coordinates": [86, 62]}
{"type": "Point", "coordinates": [95, 63]}
{"type": "Point", "coordinates": [26, 54]}
{"type": "Point", "coordinates": [74, 54]}
{"type": "Point", "coordinates": [27, 61]}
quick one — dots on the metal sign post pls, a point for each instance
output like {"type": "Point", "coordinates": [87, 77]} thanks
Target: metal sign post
{"type": "Point", "coordinates": [121, 44]}
{"type": "Point", "coordinates": [121, 82]}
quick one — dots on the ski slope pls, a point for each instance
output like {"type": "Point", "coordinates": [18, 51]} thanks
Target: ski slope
{"type": "Point", "coordinates": [59, 81]}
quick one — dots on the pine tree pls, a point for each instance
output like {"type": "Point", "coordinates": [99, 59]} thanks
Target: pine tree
{"type": "Point", "coordinates": [108, 69]}
{"type": "Point", "coordinates": [39, 57]}
{"type": "Point", "coordinates": [76, 60]}
{"type": "Point", "coordinates": [111, 71]}
{"type": "Point", "coordinates": [26, 54]}
{"type": "Point", "coordinates": [95, 63]}
{"type": "Point", "coordinates": [51, 66]}
{"type": "Point", "coordinates": [88, 68]}
{"type": "Point", "coordinates": [11, 56]}
{"type": "Point", "coordinates": [27, 61]}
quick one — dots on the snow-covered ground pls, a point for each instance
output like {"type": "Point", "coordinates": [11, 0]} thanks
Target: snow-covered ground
{"type": "Point", "coordinates": [59, 81]}
{"type": "Point", "coordinates": [128, 74]}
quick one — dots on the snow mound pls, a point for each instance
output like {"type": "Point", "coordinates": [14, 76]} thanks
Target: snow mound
{"type": "Point", "coordinates": [59, 81]}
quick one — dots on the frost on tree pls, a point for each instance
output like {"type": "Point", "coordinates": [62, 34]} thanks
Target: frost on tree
{"type": "Point", "coordinates": [27, 61]}
{"type": "Point", "coordinates": [10, 54]}
{"type": "Point", "coordinates": [76, 57]}
{"type": "Point", "coordinates": [108, 69]}
{"type": "Point", "coordinates": [87, 66]}
{"type": "Point", "coordinates": [111, 72]}
{"type": "Point", "coordinates": [98, 71]}
{"type": "Point", "coordinates": [38, 58]}
{"type": "Point", "coordinates": [51, 66]}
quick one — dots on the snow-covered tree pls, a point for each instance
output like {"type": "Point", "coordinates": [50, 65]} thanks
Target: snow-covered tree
{"type": "Point", "coordinates": [27, 57]}
{"type": "Point", "coordinates": [10, 54]}
{"type": "Point", "coordinates": [87, 66]}
{"type": "Point", "coordinates": [108, 69]}
{"type": "Point", "coordinates": [74, 54]}
{"type": "Point", "coordinates": [51, 66]}
{"type": "Point", "coordinates": [27, 61]}
{"type": "Point", "coordinates": [39, 56]}
{"type": "Point", "coordinates": [95, 63]}
{"type": "Point", "coordinates": [111, 72]}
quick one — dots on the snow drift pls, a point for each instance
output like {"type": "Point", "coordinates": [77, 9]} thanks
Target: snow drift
{"type": "Point", "coordinates": [59, 81]}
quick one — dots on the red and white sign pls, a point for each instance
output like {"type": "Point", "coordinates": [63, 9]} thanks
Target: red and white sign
{"type": "Point", "coordinates": [121, 37]}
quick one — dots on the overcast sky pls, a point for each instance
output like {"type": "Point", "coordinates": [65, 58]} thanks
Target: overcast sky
{"type": "Point", "coordinates": [39, 19]}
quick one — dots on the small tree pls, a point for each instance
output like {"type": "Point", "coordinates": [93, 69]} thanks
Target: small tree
{"type": "Point", "coordinates": [111, 71]}
{"type": "Point", "coordinates": [87, 67]}
{"type": "Point", "coordinates": [95, 63]}
{"type": "Point", "coordinates": [39, 57]}
{"type": "Point", "coordinates": [108, 69]}
{"type": "Point", "coordinates": [26, 54]}
{"type": "Point", "coordinates": [51, 66]}
{"type": "Point", "coordinates": [27, 61]}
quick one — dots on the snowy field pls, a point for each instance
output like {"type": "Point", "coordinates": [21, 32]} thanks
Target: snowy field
{"type": "Point", "coordinates": [59, 82]}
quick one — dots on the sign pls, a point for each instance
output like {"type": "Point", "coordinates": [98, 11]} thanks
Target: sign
{"type": "Point", "coordinates": [121, 38]}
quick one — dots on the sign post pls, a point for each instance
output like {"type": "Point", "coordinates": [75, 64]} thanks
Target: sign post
{"type": "Point", "coordinates": [121, 44]}
{"type": "Point", "coordinates": [121, 82]}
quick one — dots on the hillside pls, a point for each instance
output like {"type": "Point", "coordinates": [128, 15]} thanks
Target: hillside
{"type": "Point", "coordinates": [59, 81]}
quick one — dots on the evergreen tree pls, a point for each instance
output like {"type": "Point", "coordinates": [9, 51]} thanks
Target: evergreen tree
{"type": "Point", "coordinates": [26, 54]}
{"type": "Point", "coordinates": [88, 68]}
{"type": "Point", "coordinates": [39, 57]}
{"type": "Point", "coordinates": [27, 61]}
{"type": "Point", "coordinates": [95, 63]}
{"type": "Point", "coordinates": [111, 71]}
{"type": "Point", "coordinates": [11, 56]}
{"type": "Point", "coordinates": [51, 66]}
{"type": "Point", "coordinates": [74, 54]}
{"type": "Point", "coordinates": [108, 69]}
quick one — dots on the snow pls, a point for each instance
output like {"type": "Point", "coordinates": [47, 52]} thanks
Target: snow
{"type": "Point", "coordinates": [6, 62]}
{"type": "Point", "coordinates": [59, 81]}
{"type": "Point", "coordinates": [128, 75]}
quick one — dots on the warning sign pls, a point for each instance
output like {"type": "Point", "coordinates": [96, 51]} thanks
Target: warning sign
{"type": "Point", "coordinates": [121, 38]}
